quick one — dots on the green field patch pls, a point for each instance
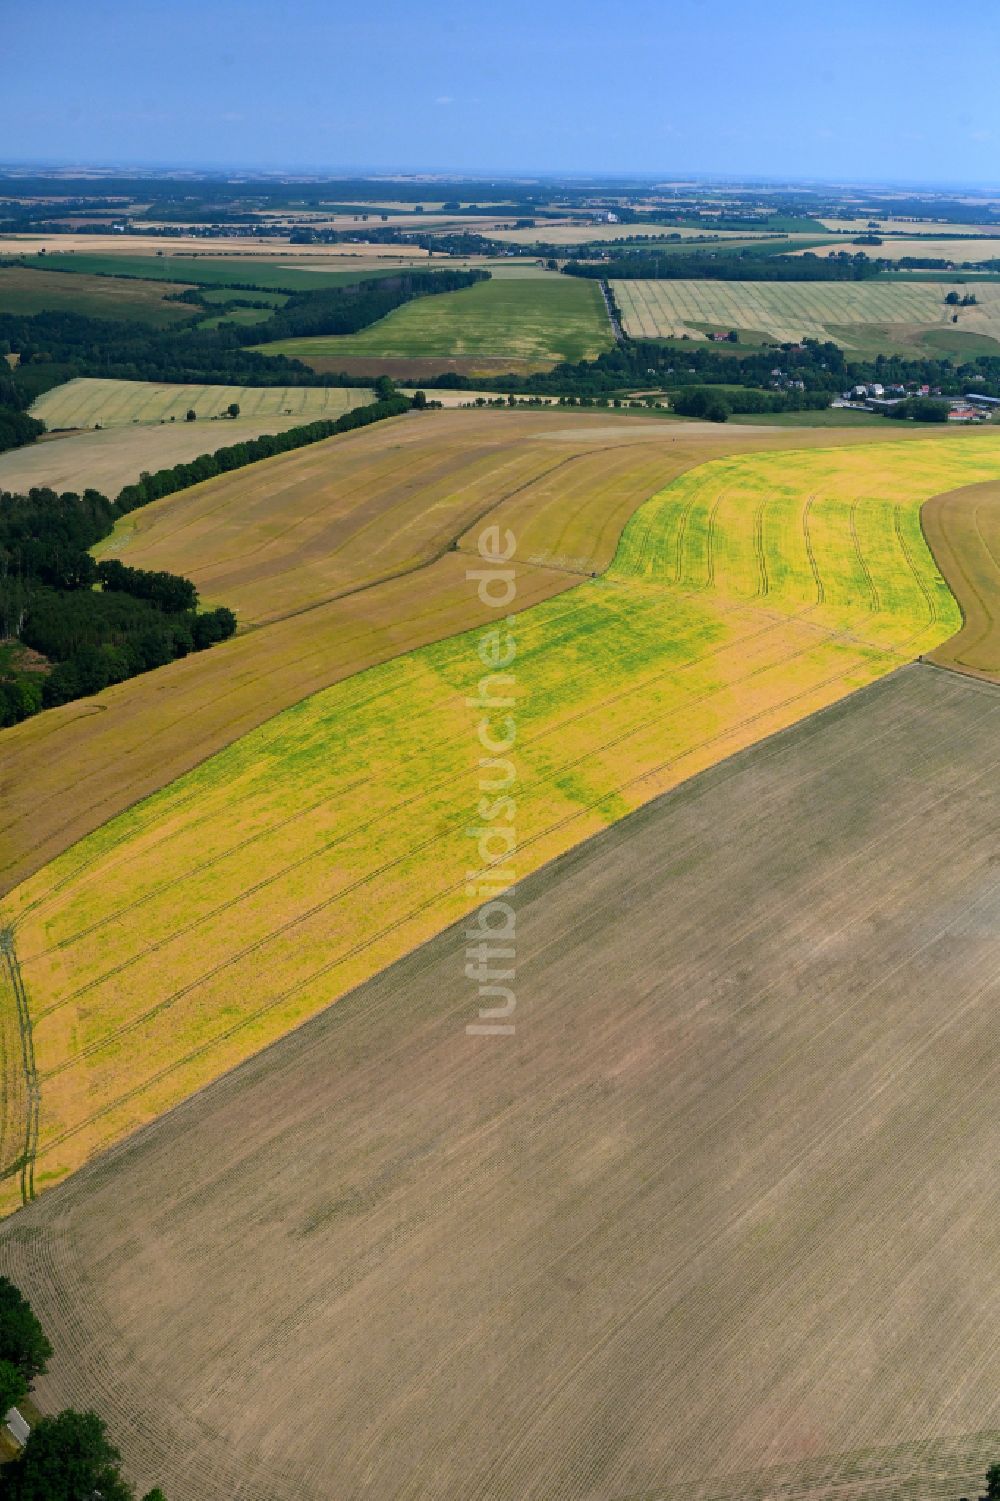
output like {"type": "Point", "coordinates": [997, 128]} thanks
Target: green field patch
{"type": "Point", "coordinates": [243, 317]}
{"type": "Point", "coordinates": [214, 295]}
{"type": "Point", "coordinates": [208, 271]}
{"type": "Point", "coordinates": [26, 291]}
{"type": "Point", "coordinates": [531, 318]}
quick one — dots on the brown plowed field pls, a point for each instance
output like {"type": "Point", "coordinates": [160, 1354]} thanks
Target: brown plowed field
{"type": "Point", "coordinates": [590, 474]}
{"type": "Point", "coordinates": [716, 1222]}
{"type": "Point", "coordinates": [962, 529]}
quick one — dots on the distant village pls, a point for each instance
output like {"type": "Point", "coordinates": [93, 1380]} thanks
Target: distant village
{"type": "Point", "coordinates": [875, 397]}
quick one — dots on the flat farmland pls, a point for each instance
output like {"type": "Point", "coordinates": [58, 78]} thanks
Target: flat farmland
{"type": "Point", "coordinates": [241, 899]}
{"type": "Point", "coordinates": [119, 403]}
{"type": "Point", "coordinates": [789, 311]}
{"type": "Point", "coordinates": [893, 226]}
{"type": "Point", "coordinates": [536, 320]}
{"type": "Point", "coordinates": [143, 733]}
{"type": "Point", "coordinates": [116, 456]}
{"type": "Point", "coordinates": [580, 233]}
{"type": "Point", "coordinates": [966, 248]}
{"type": "Point", "coordinates": [362, 513]}
{"type": "Point", "coordinates": [210, 270]}
{"type": "Point", "coordinates": [223, 249]}
{"type": "Point", "coordinates": [709, 1209]}
{"type": "Point", "coordinates": [27, 292]}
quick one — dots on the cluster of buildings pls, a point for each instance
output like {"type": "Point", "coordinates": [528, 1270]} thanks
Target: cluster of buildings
{"type": "Point", "coordinates": [874, 397]}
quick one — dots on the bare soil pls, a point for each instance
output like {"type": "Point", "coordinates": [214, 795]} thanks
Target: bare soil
{"type": "Point", "coordinates": [714, 1223]}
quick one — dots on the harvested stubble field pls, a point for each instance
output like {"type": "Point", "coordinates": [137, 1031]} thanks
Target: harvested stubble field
{"type": "Point", "coordinates": [24, 291]}
{"type": "Point", "coordinates": [116, 456]}
{"type": "Point", "coordinates": [893, 226]}
{"type": "Point", "coordinates": [967, 248]}
{"type": "Point", "coordinates": [591, 475]}
{"type": "Point", "coordinates": [582, 233]}
{"type": "Point", "coordinates": [963, 530]}
{"type": "Point", "coordinates": [118, 403]}
{"type": "Point", "coordinates": [794, 310]}
{"type": "Point", "coordinates": [204, 922]}
{"type": "Point", "coordinates": [535, 319]}
{"type": "Point", "coordinates": [709, 1209]}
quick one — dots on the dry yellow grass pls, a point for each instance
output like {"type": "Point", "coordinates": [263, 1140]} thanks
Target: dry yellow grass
{"type": "Point", "coordinates": [141, 734]}
{"type": "Point", "coordinates": [87, 402]}
{"type": "Point", "coordinates": [794, 310]}
{"type": "Point", "coordinates": [909, 227]}
{"type": "Point", "coordinates": [984, 248]}
{"type": "Point", "coordinates": [116, 456]}
{"type": "Point", "coordinates": [208, 920]}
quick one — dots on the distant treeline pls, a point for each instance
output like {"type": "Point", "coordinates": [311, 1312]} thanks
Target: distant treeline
{"type": "Point", "coordinates": [16, 427]}
{"type": "Point", "coordinates": [101, 623]}
{"type": "Point", "coordinates": [731, 266]}
{"type": "Point", "coordinates": [98, 623]}
{"type": "Point", "coordinates": [647, 364]}
{"type": "Point", "coordinates": [135, 351]}
{"type": "Point", "coordinates": [704, 401]}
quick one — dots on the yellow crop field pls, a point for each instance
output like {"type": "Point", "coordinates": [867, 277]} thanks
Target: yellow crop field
{"type": "Point", "coordinates": [357, 535]}
{"type": "Point", "coordinates": [580, 232]}
{"type": "Point", "coordinates": [893, 225]}
{"type": "Point", "coordinates": [788, 311]}
{"type": "Point", "coordinates": [963, 248]}
{"type": "Point", "coordinates": [87, 402]}
{"type": "Point", "coordinates": [204, 922]}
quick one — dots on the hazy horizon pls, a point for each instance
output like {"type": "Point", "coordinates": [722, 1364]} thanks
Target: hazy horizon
{"type": "Point", "coordinates": [672, 89]}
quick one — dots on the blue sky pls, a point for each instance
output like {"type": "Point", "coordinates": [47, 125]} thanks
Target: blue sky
{"type": "Point", "coordinates": [893, 90]}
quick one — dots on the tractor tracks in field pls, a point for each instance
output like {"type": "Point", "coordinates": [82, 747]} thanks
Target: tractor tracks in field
{"type": "Point", "coordinates": [19, 1060]}
{"type": "Point", "coordinates": [452, 543]}
{"type": "Point", "coordinates": [763, 584]}
{"type": "Point", "coordinates": [810, 553]}
{"type": "Point", "coordinates": [875, 603]}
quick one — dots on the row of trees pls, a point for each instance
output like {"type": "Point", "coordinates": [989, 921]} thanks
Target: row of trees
{"type": "Point", "coordinates": [716, 406]}
{"type": "Point", "coordinates": [16, 427]}
{"type": "Point", "coordinates": [67, 1457]}
{"type": "Point", "coordinates": [726, 266]}
{"type": "Point", "coordinates": [101, 623]}
{"type": "Point", "coordinates": [131, 350]}
{"type": "Point", "coordinates": [236, 455]}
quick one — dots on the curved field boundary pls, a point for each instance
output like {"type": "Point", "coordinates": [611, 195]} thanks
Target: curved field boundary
{"type": "Point", "coordinates": [660, 1206]}
{"type": "Point", "coordinates": [250, 893]}
{"type": "Point", "coordinates": [426, 476]}
{"type": "Point", "coordinates": [962, 528]}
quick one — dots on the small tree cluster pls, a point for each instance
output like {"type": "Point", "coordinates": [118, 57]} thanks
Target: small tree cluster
{"type": "Point", "coordinates": [67, 1457]}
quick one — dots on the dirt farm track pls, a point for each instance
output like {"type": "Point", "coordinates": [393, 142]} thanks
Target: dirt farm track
{"type": "Point", "coordinates": [716, 1209]}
